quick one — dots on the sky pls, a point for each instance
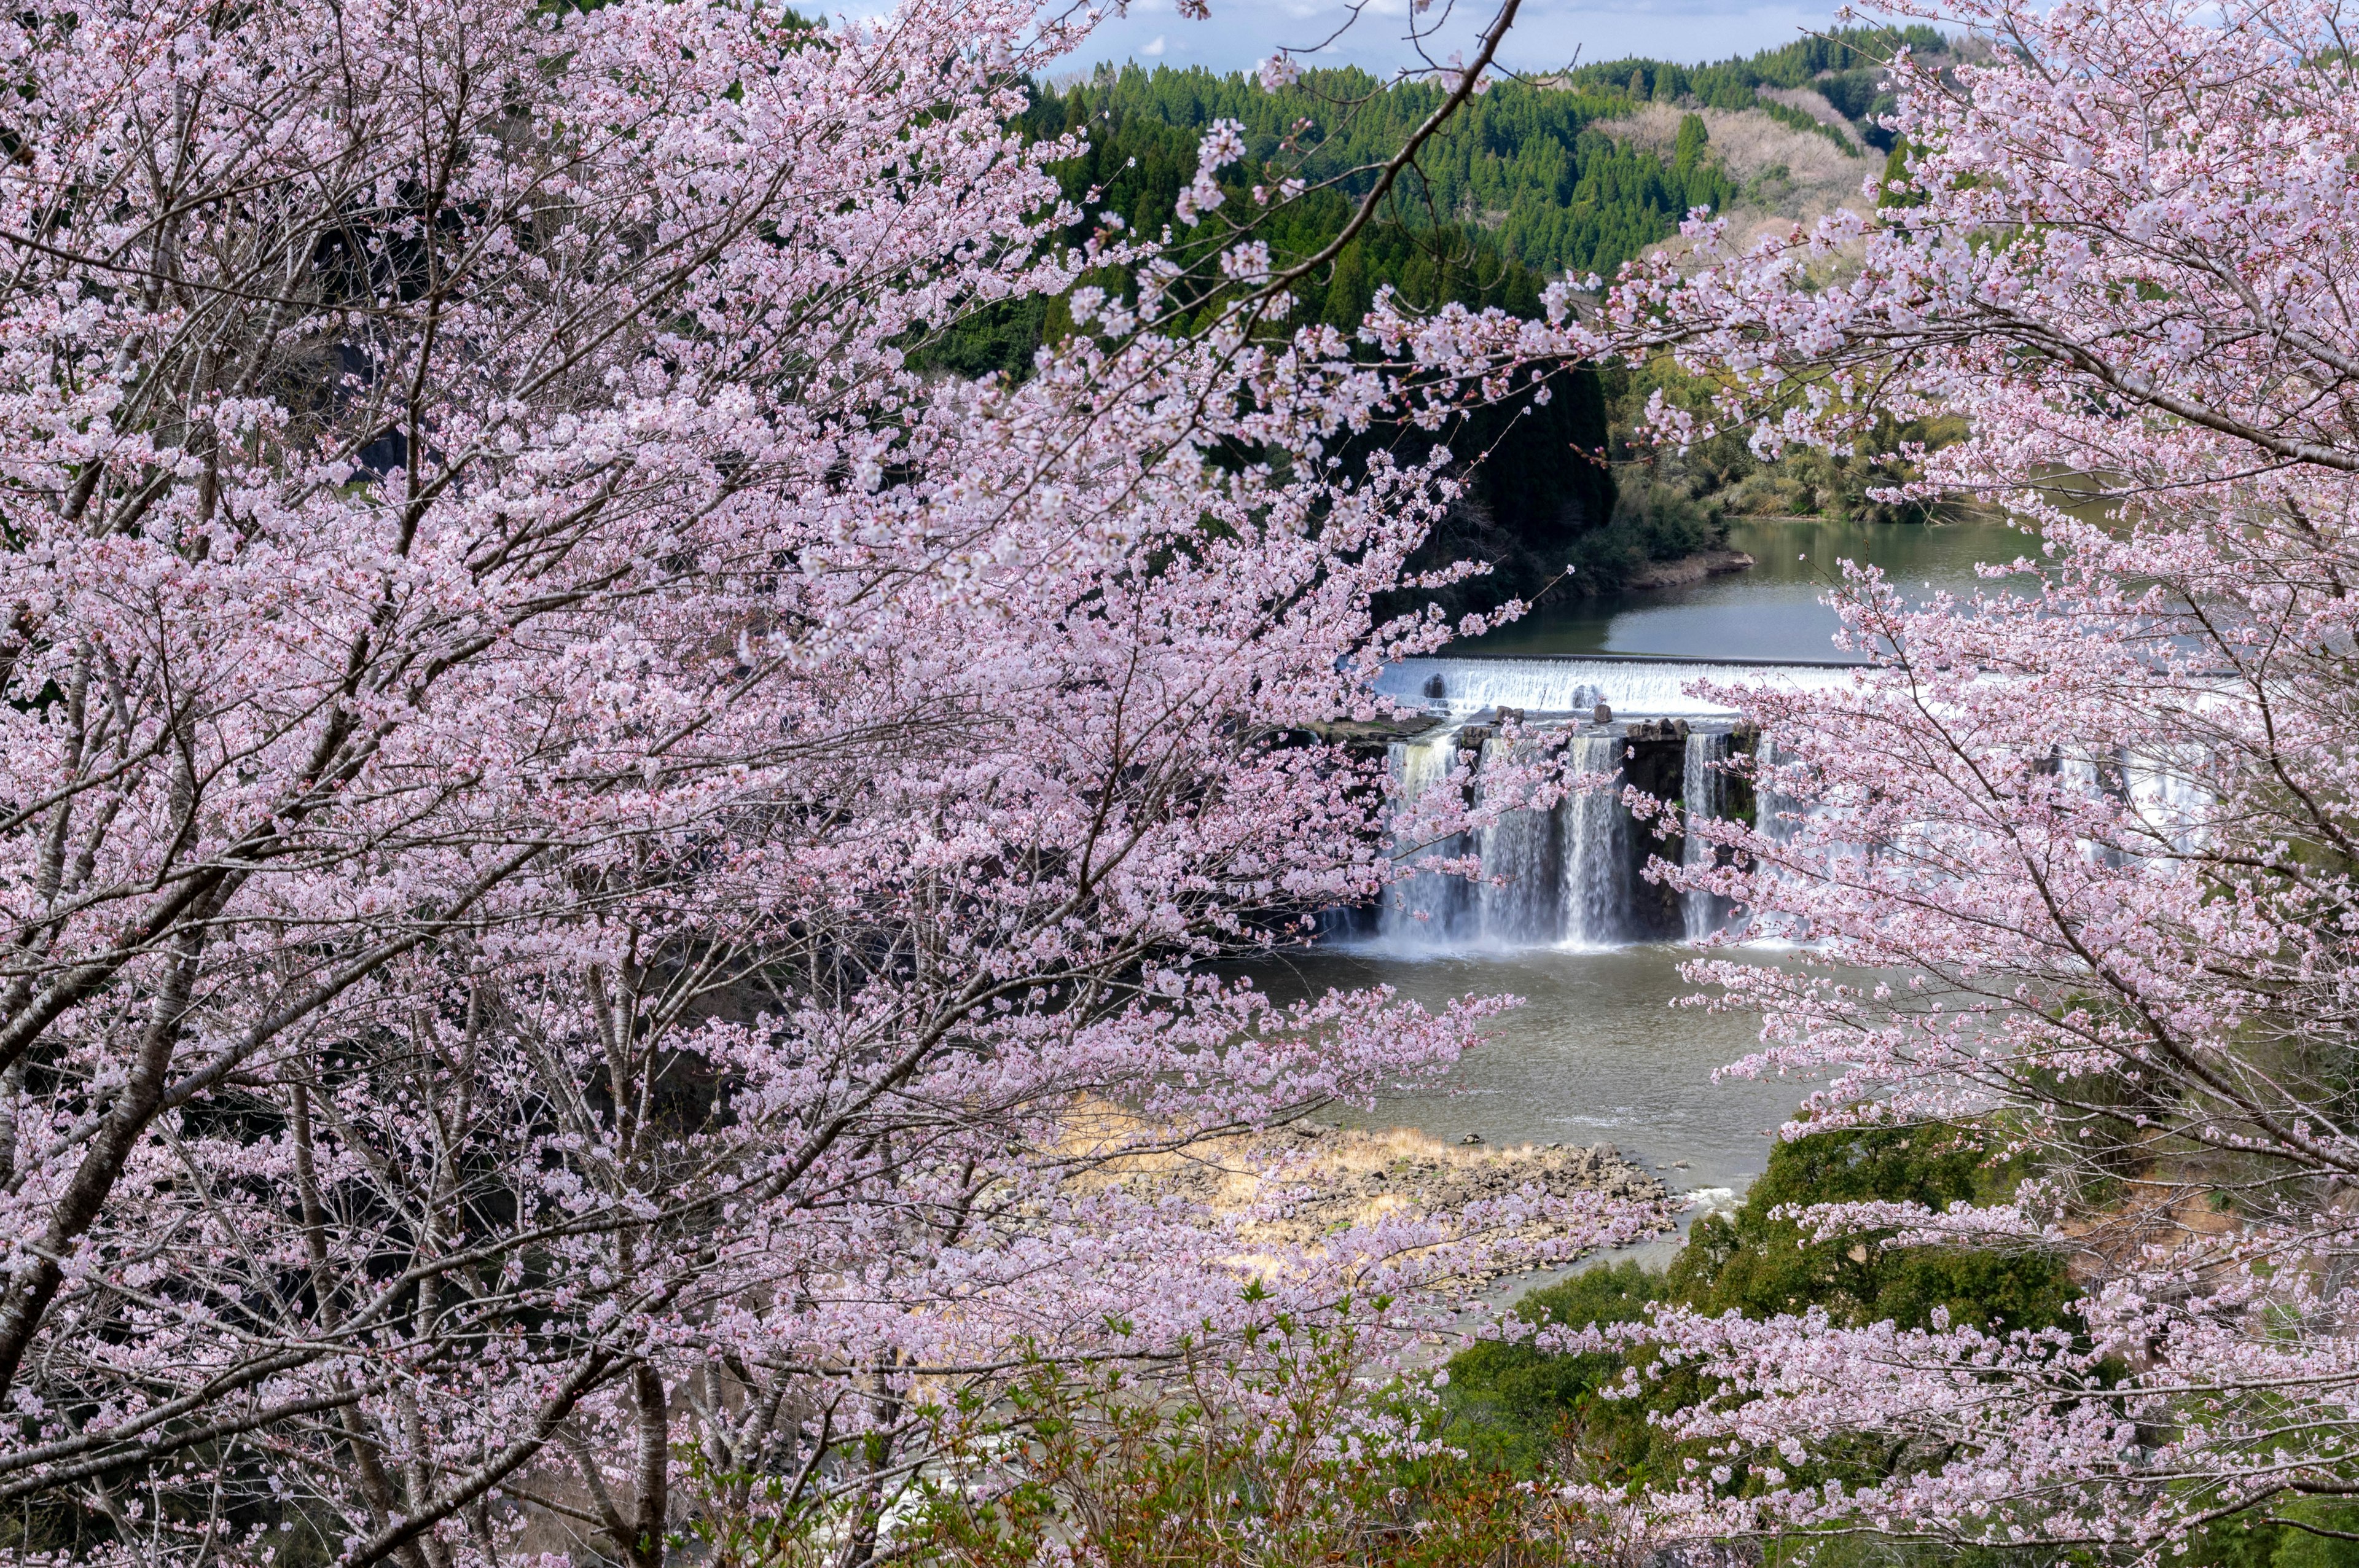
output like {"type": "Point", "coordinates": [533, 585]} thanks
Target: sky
{"type": "Point", "coordinates": [1547, 33]}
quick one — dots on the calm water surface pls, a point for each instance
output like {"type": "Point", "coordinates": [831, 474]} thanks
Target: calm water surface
{"type": "Point", "coordinates": [1773, 610]}
{"type": "Point", "coordinates": [1599, 1052]}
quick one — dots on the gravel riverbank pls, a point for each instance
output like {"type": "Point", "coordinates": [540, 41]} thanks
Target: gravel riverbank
{"type": "Point", "coordinates": [1345, 1176]}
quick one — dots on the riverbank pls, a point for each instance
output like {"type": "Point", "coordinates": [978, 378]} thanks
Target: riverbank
{"type": "Point", "coordinates": [1686, 571]}
{"type": "Point", "coordinates": [1333, 1177]}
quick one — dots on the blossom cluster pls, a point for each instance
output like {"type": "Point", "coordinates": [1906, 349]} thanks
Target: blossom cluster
{"type": "Point", "coordinates": [577, 830]}
{"type": "Point", "coordinates": [2072, 858]}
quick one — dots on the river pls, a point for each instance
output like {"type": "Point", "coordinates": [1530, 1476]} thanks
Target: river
{"type": "Point", "coordinates": [1772, 611]}
{"type": "Point", "coordinates": [1600, 1051]}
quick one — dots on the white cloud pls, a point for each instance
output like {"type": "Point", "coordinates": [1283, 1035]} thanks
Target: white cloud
{"type": "Point", "coordinates": [1153, 47]}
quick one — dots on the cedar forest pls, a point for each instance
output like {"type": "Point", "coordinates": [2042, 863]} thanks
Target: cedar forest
{"type": "Point", "coordinates": [1530, 181]}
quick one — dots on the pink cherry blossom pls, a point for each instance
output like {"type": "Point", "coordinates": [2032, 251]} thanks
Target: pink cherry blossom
{"type": "Point", "coordinates": [2073, 861]}
{"type": "Point", "coordinates": [581, 838]}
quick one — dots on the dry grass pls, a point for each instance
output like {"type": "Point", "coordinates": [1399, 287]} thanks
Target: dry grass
{"type": "Point", "coordinates": [1813, 103]}
{"type": "Point", "coordinates": [1330, 1178]}
{"type": "Point", "coordinates": [1816, 177]}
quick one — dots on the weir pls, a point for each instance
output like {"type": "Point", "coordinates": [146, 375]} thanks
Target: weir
{"type": "Point", "coordinates": [1575, 684]}
{"type": "Point", "coordinates": [1572, 876]}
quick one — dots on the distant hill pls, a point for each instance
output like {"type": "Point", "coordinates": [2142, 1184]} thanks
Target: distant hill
{"type": "Point", "coordinates": [1574, 174]}
{"type": "Point", "coordinates": [1536, 168]}
{"type": "Point", "coordinates": [1834, 80]}
{"type": "Point", "coordinates": [1548, 167]}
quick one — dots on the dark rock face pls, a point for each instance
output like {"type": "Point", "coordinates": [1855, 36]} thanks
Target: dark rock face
{"type": "Point", "coordinates": [1736, 794]}
{"type": "Point", "coordinates": [1654, 760]}
{"type": "Point", "coordinates": [1541, 486]}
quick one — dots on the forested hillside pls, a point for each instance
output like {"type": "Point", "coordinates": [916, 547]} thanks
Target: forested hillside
{"type": "Point", "coordinates": [1532, 180]}
{"type": "Point", "coordinates": [1570, 174]}
{"type": "Point", "coordinates": [1534, 168]}
{"type": "Point", "coordinates": [1539, 166]}
{"type": "Point", "coordinates": [1843, 67]}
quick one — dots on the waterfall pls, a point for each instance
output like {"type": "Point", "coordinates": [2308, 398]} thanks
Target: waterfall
{"type": "Point", "coordinates": [1773, 812]}
{"type": "Point", "coordinates": [1699, 797]}
{"type": "Point", "coordinates": [1431, 907]}
{"type": "Point", "coordinates": [1777, 816]}
{"type": "Point", "coordinates": [2089, 777]}
{"type": "Point", "coordinates": [1572, 874]}
{"type": "Point", "coordinates": [1597, 848]}
{"type": "Point", "coordinates": [2161, 794]}
{"type": "Point", "coordinates": [1516, 903]}
{"type": "Point", "coordinates": [2168, 791]}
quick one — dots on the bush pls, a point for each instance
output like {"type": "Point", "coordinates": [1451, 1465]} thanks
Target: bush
{"type": "Point", "coordinates": [1650, 523]}
{"type": "Point", "coordinates": [1723, 477]}
{"type": "Point", "coordinates": [1753, 1263]}
{"type": "Point", "coordinates": [1524, 1410]}
{"type": "Point", "coordinates": [1521, 1410]}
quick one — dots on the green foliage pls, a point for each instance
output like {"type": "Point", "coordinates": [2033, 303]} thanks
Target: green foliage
{"type": "Point", "coordinates": [1517, 1408]}
{"type": "Point", "coordinates": [1232, 1462]}
{"type": "Point", "coordinates": [1687, 150]}
{"type": "Point", "coordinates": [2244, 1543]}
{"type": "Point", "coordinates": [999, 341]}
{"type": "Point", "coordinates": [1538, 499]}
{"type": "Point", "coordinates": [1898, 190]}
{"type": "Point", "coordinates": [1723, 477]}
{"type": "Point", "coordinates": [1522, 173]}
{"type": "Point", "coordinates": [1433, 245]}
{"type": "Point", "coordinates": [1857, 95]}
{"type": "Point", "coordinates": [1793, 119]}
{"type": "Point", "coordinates": [1753, 1263]}
{"type": "Point", "coordinates": [1651, 522]}
{"type": "Point", "coordinates": [1736, 84]}
{"type": "Point", "coordinates": [743, 1520]}
{"type": "Point", "coordinates": [1525, 1409]}
{"type": "Point", "coordinates": [1844, 66]}
{"type": "Point", "coordinates": [1525, 183]}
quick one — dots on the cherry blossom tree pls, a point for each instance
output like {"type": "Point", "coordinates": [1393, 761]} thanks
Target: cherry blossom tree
{"type": "Point", "coordinates": [594, 866]}
{"type": "Point", "coordinates": [2074, 862]}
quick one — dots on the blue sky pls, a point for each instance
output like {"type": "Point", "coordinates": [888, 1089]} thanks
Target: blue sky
{"type": "Point", "coordinates": [1547, 32]}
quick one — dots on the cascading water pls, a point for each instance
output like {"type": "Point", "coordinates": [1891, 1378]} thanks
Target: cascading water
{"type": "Point", "coordinates": [1658, 688]}
{"type": "Point", "coordinates": [1516, 903]}
{"type": "Point", "coordinates": [1569, 875]}
{"type": "Point", "coordinates": [1432, 907]}
{"type": "Point", "coordinates": [1573, 875]}
{"type": "Point", "coordinates": [1773, 812]}
{"type": "Point", "coordinates": [1596, 833]}
{"type": "Point", "coordinates": [2168, 791]}
{"type": "Point", "coordinates": [1577, 873]}
{"type": "Point", "coordinates": [1701, 912]}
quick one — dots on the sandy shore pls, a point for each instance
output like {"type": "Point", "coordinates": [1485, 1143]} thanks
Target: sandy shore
{"type": "Point", "coordinates": [1349, 1175]}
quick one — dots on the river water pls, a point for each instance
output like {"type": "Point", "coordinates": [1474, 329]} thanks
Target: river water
{"type": "Point", "coordinates": [1772, 611]}
{"type": "Point", "coordinates": [1602, 1050]}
